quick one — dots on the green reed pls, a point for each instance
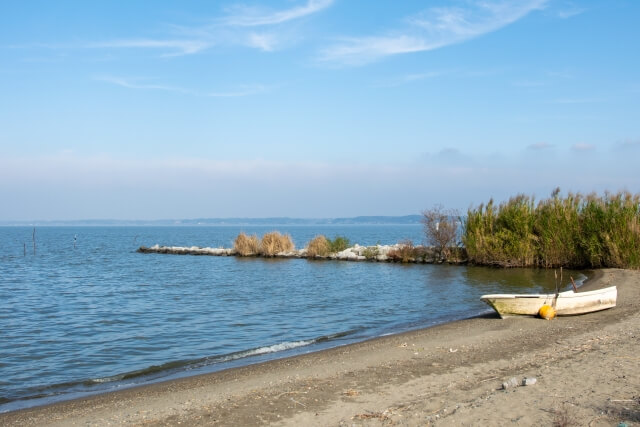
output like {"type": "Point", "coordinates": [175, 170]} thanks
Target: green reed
{"type": "Point", "coordinates": [573, 231]}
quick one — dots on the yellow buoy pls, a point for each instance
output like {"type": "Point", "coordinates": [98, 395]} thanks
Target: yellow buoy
{"type": "Point", "coordinates": [547, 312]}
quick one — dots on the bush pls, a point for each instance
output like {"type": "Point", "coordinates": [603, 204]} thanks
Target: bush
{"type": "Point", "coordinates": [246, 245]}
{"type": "Point", "coordinates": [274, 243]}
{"type": "Point", "coordinates": [338, 244]}
{"type": "Point", "coordinates": [371, 252]}
{"type": "Point", "coordinates": [318, 246]}
{"type": "Point", "coordinates": [406, 252]}
{"type": "Point", "coordinates": [441, 228]}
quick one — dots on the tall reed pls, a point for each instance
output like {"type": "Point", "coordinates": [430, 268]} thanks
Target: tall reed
{"type": "Point", "coordinates": [573, 231]}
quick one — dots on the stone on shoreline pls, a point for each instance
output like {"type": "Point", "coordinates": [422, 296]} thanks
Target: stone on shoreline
{"type": "Point", "coordinates": [510, 383]}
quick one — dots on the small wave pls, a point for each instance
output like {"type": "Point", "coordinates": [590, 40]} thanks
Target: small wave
{"type": "Point", "coordinates": [170, 367]}
{"type": "Point", "coordinates": [276, 348]}
{"type": "Point", "coordinates": [153, 369]}
{"type": "Point", "coordinates": [337, 335]}
{"type": "Point", "coordinates": [103, 380]}
{"type": "Point", "coordinates": [272, 349]}
{"type": "Point", "coordinates": [215, 360]}
{"type": "Point", "coordinates": [157, 372]}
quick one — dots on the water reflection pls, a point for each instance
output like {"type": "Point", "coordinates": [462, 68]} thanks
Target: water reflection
{"type": "Point", "coordinates": [519, 280]}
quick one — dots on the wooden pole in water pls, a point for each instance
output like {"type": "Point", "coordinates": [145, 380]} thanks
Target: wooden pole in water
{"type": "Point", "coordinates": [34, 240]}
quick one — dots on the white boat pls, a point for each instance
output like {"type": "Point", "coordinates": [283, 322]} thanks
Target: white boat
{"type": "Point", "coordinates": [566, 303]}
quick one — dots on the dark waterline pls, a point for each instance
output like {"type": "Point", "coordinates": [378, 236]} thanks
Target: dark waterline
{"type": "Point", "coordinates": [100, 317]}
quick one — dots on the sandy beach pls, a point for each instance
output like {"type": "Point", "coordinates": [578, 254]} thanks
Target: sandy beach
{"type": "Point", "coordinates": [585, 370]}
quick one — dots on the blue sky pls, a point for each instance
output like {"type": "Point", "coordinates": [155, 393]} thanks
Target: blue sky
{"type": "Point", "coordinates": [311, 108]}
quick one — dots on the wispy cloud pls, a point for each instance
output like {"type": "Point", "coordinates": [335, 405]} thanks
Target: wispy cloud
{"type": "Point", "coordinates": [359, 51]}
{"type": "Point", "coordinates": [410, 78]}
{"type": "Point", "coordinates": [242, 16]}
{"type": "Point", "coordinates": [176, 46]}
{"type": "Point", "coordinates": [539, 146]}
{"type": "Point", "coordinates": [431, 29]}
{"type": "Point", "coordinates": [583, 147]}
{"type": "Point", "coordinates": [568, 13]}
{"type": "Point", "coordinates": [567, 10]}
{"type": "Point", "coordinates": [140, 84]}
{"type": "Point", "coordinates": [169, 46]}
{"type": "Point", "coordinates": [237, 28]}
{"type": "Point", "coordinates": [253, 27]}
{"type": "Point", "coordinates": [561, 74]}
{"type": "Point", "coordinates": [263, 41]}
{"type": "Point", "coordinates": [628, 144]}
{"type": "Point", "coordinates": [137, 84]}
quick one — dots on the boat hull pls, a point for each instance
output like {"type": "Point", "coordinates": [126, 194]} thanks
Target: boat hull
{"type": "Point", "coordinates": [566, 303]}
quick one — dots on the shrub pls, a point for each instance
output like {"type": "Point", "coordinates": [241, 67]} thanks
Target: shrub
{"type": "Point", "coordinates": [371, 252]}
{"type": "Point", "coordinates": [406, 252]}
{"type": "Point", "coordinates": [274, 243]}
{"type": "Point", "coordinates": [246, 245]}
{"type": "Point", "coordinates": [338, 244]}
{"type": "Point", "coordinates": [441, 228]}
{"type": "Point", "coordinates": [318, 246]}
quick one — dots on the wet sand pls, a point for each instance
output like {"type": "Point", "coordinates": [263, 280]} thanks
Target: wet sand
{"type": "Point", "coordinates": [586, 370]}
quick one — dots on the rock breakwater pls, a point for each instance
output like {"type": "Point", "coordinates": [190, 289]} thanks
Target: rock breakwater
{"type": "Point", "coordinates": [379, 253]}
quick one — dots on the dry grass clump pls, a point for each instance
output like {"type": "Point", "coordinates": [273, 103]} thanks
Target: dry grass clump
{"type": "Point", "coordinates": [273, 243]}
{"type": "Point", "coordinates": [318, 246]}
{"type": "Point", "coordinates": [246, 245]}
{"type": "Point", "coordinates": [406, 252]}
{"type": "Point", "coordinates": [564, 417]}
{"type": "Point", "coordinates": [322, 246]}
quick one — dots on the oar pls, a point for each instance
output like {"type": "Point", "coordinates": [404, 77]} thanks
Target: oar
{"type": "Point", "coordinates": [575, 288]}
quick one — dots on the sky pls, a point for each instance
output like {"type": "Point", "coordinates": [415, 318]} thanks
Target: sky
{"type": "Point", "coordinates": [311, 108]}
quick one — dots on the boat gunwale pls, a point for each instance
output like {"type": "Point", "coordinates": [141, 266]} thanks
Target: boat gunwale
{"type": "Point", "coordinates": [565, 294]}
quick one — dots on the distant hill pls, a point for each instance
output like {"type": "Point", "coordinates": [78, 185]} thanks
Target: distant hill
{"type": "Point", "coordinates": [407, 219]}
{"type": "Point", "coordinates": [358, 220]}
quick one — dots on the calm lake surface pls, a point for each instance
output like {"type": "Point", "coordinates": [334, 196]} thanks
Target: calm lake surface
{"type": "Point", "coordinates": [100, 316]}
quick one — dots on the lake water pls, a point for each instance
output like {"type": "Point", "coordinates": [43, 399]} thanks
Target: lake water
{"type": "Point", "coordinates": [100, 316]}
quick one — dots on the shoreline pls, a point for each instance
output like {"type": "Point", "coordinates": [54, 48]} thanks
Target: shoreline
{"type": "Point", "coordinates": [436, 375]}
{"type": "Point", "coordinates": [314, 346]}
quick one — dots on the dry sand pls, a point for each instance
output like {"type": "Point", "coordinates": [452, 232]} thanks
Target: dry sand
{"type": "Point", "coordinates": [586, 370]}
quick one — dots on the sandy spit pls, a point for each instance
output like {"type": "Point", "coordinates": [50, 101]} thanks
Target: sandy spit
{"type": "Point", "coordinates": [586, 371]}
